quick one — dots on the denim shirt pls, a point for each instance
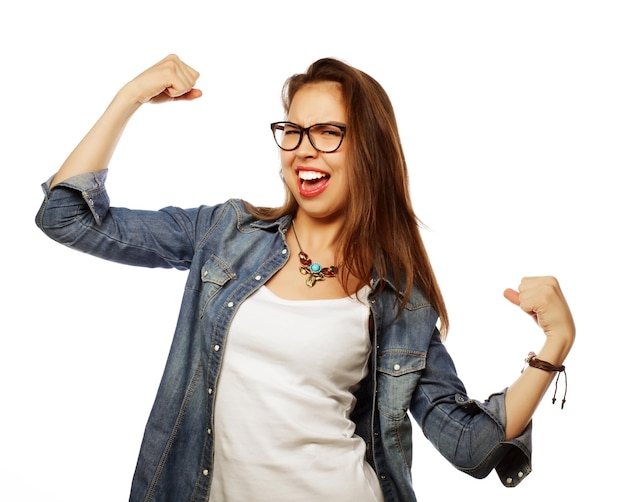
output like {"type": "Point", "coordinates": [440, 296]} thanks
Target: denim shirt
{"type": "Point", "coordinates": [229, 255]}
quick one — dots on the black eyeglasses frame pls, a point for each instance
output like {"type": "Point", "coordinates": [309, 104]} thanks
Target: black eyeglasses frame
{"type": "Point", "coordinates": [307, 131]}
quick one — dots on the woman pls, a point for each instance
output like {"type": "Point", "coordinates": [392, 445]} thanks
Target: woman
{"type": "Point", "coordinates": [307, 332]}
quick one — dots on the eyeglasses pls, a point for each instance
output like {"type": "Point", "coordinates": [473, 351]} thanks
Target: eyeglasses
{"type": "Point", "coordinates": [325, 138]}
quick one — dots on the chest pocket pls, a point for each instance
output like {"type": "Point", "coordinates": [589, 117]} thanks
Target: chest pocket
{"type": "Point", "coordinates": [214, 275]}
{"type": "Point", "coordinates": [398, 373]}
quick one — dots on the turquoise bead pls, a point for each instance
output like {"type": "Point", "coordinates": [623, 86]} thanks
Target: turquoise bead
{"type": "Point", "coordinates": [315, 268]}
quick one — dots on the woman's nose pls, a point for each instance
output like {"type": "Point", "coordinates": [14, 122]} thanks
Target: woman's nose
{"type": "Point", "coordinates": [306, 148]}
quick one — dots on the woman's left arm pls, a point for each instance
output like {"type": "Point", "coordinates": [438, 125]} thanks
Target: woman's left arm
{"type": "Point", "coordinates": [540, 297]}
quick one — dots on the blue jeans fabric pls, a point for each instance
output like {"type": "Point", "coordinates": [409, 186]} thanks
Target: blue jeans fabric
{"type": "Point", "coordinates": [228, 255]}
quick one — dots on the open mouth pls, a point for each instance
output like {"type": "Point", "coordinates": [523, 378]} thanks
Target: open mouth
{"type": "Point", "coordinates": [312, 182]}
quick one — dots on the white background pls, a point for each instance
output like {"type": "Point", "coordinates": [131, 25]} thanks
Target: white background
{"type": "Point", "coordinates": [512, 116]}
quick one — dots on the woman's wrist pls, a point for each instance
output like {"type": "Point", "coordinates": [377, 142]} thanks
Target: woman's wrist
{"type": "Point", "coordinates": [556, 348]}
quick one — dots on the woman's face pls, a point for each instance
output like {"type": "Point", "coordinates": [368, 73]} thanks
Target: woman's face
{"type": "Point", "coordinates": [318, 181]}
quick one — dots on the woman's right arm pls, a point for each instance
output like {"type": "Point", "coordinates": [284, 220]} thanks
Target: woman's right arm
{"type": "Point", "coordinates": [169, 79]}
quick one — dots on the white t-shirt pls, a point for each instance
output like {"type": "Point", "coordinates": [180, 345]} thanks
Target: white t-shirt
{"type": "Point", "coordinates": [282, 414]}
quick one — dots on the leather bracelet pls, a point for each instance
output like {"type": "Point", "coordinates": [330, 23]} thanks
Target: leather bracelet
{"type": "Point", "coordinates": [532, 361]}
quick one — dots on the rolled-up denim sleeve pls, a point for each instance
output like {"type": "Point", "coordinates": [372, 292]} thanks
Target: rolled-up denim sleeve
{"type": "Point", "coordinates": [91, 187]}
{"type": "Point", "coordinates": [468, 432]}
{"type": "Point", "coordinates": [78, 214]}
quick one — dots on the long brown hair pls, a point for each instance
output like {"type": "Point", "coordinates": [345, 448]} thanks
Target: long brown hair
{"type": "Point", "coordinates": [381, 233]}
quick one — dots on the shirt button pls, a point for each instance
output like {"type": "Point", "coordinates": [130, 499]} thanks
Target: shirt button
{"type": "Point", "coordinates": [520, 474]}
{"type": "Point", "coordinates": [205, 472]}
{"type": "Point", "coordinates": [509, 481]}
{"type": "Point", "coordinates": [208, 432]}
{"type": "Point", "coordinates": [230, 304]}
{"type": "Point", "coordinates": [258, 277]}
{"type": "Point", "coordinates": [210, 391]}
{"type": "Point", "coordinates": [396, 367]}
{"type": "Point", "coordinates": [284, 251]}
{"type": "Point", "coordinates": [216, 348]}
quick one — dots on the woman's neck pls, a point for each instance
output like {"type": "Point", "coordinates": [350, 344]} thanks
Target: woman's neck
{"type": "Point", "coordinates": [315, 234]}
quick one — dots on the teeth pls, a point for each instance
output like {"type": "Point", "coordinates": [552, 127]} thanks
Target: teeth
{"type": "Point", "coordinates": [311, 175]}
